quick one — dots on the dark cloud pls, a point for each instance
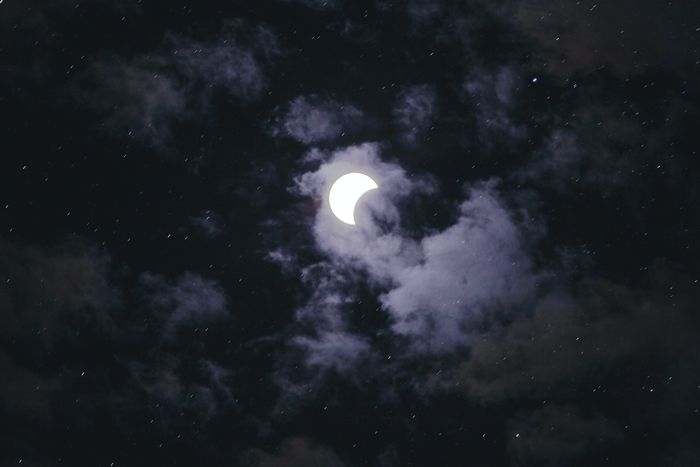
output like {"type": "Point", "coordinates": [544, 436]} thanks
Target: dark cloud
{"type": "Point", "coordinates": [208, 224]}
{"type": "Point", "coordinates": [414, 112]}
{"type": "Point", "coordinates": [295, 451]}
{"type": "Point", "coordinates": [237, 60]}
{"type": "Point", "coordinates": [423, 12]}
{"type": "Point", "coordinates": [595, 144]}
{"type": "Point", "coordinates": [137, 100]}
{"type": "Point", "coordinates": [146, 96]}
{"type": "Point", "coordinates": [190, 299]}
{"type": "Point", "coordinates": [492, 96]}
{"type": "Point", "coordinates": [312, 119]}
{"type": "Point", "coordinates": [553, 435]}
{"type": "Point", "coordinates": [602, 327]}
{"type": "Point", "coordinates": [318, 4]}
{"type": "Point", "coordinates": [42, 286]}
{"type": "Point", "coordinates": [26, 392]}
{"type": "Point", "coordinates": [588, 36]}
{"type": "Point", "coordinates": [203, 391]}
{"type": "Point", "coordinates": [496, 303]}
{"type": "Point", "coordinates": [48, 296]}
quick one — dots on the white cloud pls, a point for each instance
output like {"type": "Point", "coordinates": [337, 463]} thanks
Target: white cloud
{"type": "Point", "coordinates": [477, 265]}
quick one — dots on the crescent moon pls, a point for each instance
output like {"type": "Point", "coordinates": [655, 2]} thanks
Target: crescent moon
{"type": "Point", "coordinates": [346, 192]}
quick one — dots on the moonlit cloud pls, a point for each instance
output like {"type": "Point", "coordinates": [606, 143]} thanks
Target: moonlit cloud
{"type": "Point", "coordinates": [478, 265]}
{"type": "Point", "coordinates": [435, 288]}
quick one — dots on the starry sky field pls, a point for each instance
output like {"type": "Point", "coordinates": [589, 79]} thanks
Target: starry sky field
{"type": "Point", "coordinates": [521, 290]}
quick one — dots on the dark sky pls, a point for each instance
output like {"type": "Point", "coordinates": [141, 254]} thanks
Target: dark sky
{"type": "Point", "coordinates": [521, 290]}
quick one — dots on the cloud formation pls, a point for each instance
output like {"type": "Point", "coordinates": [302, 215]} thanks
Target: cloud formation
{"type": "Point", "coordinates": [296, 451]}
{"type": "Point", "coordinates": [437, 288]}
{"type": "Point", "coordinates": [573, 36]}
{"type": "Point", "coordinates": [478, 265]}
{"type": "Point", "coordinates": [144, 97]}
{"type": "Point", "coordinates": [601, 327]}
{"type": "Point", "coordinates": [42, 286]}
{"type": "Point", "coordinates": [191, 299]}
{"type": "Point", "coordinates": [414, 112]}
{"type": "Point", "coordinates": [208, 224]}
{"type": "Point", "coordinates": [554, 435]}
{"type": "Point", "coordinates": [492, 95]}
{"type": "Point", "coordinates": [313, 119]}
{"type": "Point", "coordinates": [48, 296]}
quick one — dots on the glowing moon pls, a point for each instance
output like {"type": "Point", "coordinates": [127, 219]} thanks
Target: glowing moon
{"type": "Point", "coordinates": [346, 192]}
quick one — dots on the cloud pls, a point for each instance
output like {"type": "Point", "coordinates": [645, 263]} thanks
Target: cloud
{"type": "Point", "coordinates": [436, 287]}
{"type": "Point", "coordinates": [208, 224]}
{"type": "Point", "coordinates": [424, 12]}
{"type": "Point", "coordinates": [323, 341]}
{"type": "Point", "coordinates": [50, 297]}
{"type": "Point", "coordinates": [40, 287]}
{"type": "Point", "coordinates": [145, 96]}
{"type": "Point", "coordinates": [376, 243]}
{"type": "Point", "coordinates": [137, 99]}
{"type": "Point", "coordinates": [492, 95]}
{"type": "Point", "coordinates": [336, 350]}
{"type": "Point", "coordinates": [312, 119]}
{"type": "Point", "coordinates": [553, 435]}
{"type": "Point", "coordinates": [478, 265]}
{"type": "Point", "coordinates": [414, 112]}
{"type": "Point", "coordinates": [227, 63]}
{"type": "Point", "coordinates": [26, 391]}
{"type": "Point", "coordinates": [593, 147]}
{"type": "Point", "coordinates": [295, 451]}
{"type": "Point", "coordinates": [203, 390]}
{"type": "Point", "coordinates": [599, 328]}
{"type": "Point", "coordinates": [318, 4]}
{"type": "Point", "coordinates": [191, 299]}
{"type": "Point", "coordinates": [574, 36]}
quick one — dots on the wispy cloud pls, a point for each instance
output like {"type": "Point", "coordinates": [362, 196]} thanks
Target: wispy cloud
{"type": "Point", "coordinates": [312, 119]}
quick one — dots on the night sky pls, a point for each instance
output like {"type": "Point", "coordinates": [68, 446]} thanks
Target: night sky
{"type": "Point", "coordinates": [521, 290]}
